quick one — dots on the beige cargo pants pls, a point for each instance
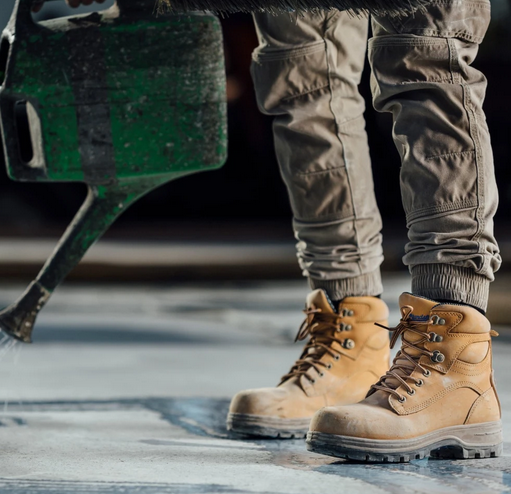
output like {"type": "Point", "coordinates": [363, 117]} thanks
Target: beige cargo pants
{"type": "Point", "coordinates": [306, 72]}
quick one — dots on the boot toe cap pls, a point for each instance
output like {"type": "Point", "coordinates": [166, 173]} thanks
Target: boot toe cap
{"type": "Point", "coordinates": [263, 401]}
{"type": "Point", "coordinates": [332, 420]}
{"type": "Point", "coordinates": [351, 420]}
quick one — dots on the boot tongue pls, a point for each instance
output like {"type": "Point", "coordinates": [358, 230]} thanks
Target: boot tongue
{"type": "Point", "coordinates": [421, 310]}
{"type": "Point", "coordinates": [319, 299]}
{"type": "Point", "coordinates": [421, 306]}
{"type": "Point", "coordinates": [420, 313]}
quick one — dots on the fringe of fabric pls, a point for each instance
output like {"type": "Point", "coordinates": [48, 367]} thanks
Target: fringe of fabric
{"type": "Point", "coordinates": [393, 8]}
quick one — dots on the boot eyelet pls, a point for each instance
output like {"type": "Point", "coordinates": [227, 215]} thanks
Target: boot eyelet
{"type": "Point", "coordinates": [436, 338]}
{"type": "Point", "coordinates": [412, 392]}
{"type": "Point", "coordinates": [419, 383]}
{"type": "Point", "coordinates": [329, 366]}
{"type": "Point", "coordinates": [426, 373]}
{"type": "Point", "coordinates": [402, 399]}
{"type": "Point", "coordinates": [313, 381]}
{"type": "Point", "coordinates": [349, 344]}
{"type": "Point", "coordinates": [337, 357]}
{"type": "Point", "coordinates": [437, 357]}
{"type": "Point", "coordinates": [348, 327]}
{"type": "Point", "coordinates": [351, 313]}
{"type": "Point", "coordinates": [321, 374]}
{"type": "Point", "coordinates": [438, 321]}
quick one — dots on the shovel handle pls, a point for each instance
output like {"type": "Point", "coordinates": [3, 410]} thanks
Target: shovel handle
{"type": "Point", "coordinates": [101, 208]}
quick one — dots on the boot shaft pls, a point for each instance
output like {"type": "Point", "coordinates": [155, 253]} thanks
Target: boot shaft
{"type": "Point", "coordinates": [358, 350]}
{"type": "Point", "coordinates": [455, 358]}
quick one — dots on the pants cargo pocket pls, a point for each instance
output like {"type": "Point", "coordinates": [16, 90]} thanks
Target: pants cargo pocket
{"type": "Point", "coordinates": [281, 76]}
{"type": "Point", "coordinates": [467, 20]}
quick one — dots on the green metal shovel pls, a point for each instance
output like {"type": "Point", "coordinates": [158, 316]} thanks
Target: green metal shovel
{"type": "Point", "coordinates": [123, 100]}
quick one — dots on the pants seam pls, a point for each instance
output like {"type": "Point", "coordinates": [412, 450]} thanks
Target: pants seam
{"type": "Point", "coordinates": [405, 40]}
{"type": "Point", "coordinates": [283, 54]}
{"type": "Point", "coordinates": [439, 214]}
{"type": "Point", "coordinates": [441, 208]}
{"type": "Point", "coordinates": [454, 66]}
{"type": "Point", "coordinates": [318, 172]}
{"type": "Point", "coordinates": [425, 84]}
{"type": "Point", "coordinates": [338, 134]}
{"type": "Point", "coordinates": [350, 121]}
{"type": "Point", "coordinates": [465, 35]}
{"type": "Point", "coordinates": [449, 155]}
{"type": "Point", "coordinates": [309, 91]}
{"type": "Point", "coordinates": [474, 135]}
{"type": "Point", "coordinates": [417, 37]}
{"type": "Point", "coordinates": [326, 222]}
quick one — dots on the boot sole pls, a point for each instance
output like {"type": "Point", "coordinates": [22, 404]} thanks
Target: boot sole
{"type": "Point", "coordinates": [459, 442]}
{"type": "Point", "coordinates": [269, 427]}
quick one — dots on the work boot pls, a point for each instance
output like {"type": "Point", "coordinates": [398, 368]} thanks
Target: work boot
{"type": "Point", "coordinates": [345, 354]}
{"type": "Point", "coordinates": [438, 399]}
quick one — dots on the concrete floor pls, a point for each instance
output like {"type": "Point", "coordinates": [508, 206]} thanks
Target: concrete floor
{"type": "Point", "coordinates": [127, 388]}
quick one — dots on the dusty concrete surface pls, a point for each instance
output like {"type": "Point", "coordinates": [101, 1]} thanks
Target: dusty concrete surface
{"type": "Point", "coordinates": [126, 391]}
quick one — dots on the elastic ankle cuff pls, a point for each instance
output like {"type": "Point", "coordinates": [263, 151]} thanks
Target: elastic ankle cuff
{"type": "Point", "coordinates": [369, 284]}
{"type": "Point", "coordinates": [447, 282]}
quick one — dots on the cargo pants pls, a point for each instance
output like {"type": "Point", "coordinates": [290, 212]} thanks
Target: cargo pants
{"type": "Point", "coordinates": [306, 73]}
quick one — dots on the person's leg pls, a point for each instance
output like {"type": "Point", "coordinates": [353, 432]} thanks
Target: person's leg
{"type": "Point", "coordinates": [439, 397]}
{"type": "Point", "coordinates": [306, 73]}
{"type": "Point", "coordinates": [422, 73]}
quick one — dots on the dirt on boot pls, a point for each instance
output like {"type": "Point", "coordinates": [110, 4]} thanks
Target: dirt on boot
{"type": "Point", "coordinates": [438, 399]}
{"type": "Point", "coordinates": [346, 353]}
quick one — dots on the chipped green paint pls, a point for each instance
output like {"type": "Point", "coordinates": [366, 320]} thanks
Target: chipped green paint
{"type": "Point", "coordinates": [175, 131]}
{"type": "Point", "coordinates": [165, 99]}
{"type": "Point", "coordinates": [122, 100]}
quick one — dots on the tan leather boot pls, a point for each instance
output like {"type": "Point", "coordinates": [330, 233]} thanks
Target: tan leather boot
{"type": "Point", "coordinates": [438, 399]}
{"type": "Point", "coordinates": [346, 353]}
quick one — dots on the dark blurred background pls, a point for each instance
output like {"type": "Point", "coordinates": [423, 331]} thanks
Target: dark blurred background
{"type": "Point", "coordinates": [246, 200]}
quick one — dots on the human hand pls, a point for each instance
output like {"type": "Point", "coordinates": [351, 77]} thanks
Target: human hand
{"type": "Point", "coordinates": [38, 4]}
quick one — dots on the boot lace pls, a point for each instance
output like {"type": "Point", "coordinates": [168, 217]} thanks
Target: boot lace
{"type": "Point", "coordinates": [322, 328]}
{"type": "Point", "coordinates": [405, 363]}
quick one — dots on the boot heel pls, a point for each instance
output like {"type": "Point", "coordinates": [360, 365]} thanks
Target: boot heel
{"type": "Point", "coordinates": [461, 453]}
{"type": "Point", "coordinates": [473, 441]}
